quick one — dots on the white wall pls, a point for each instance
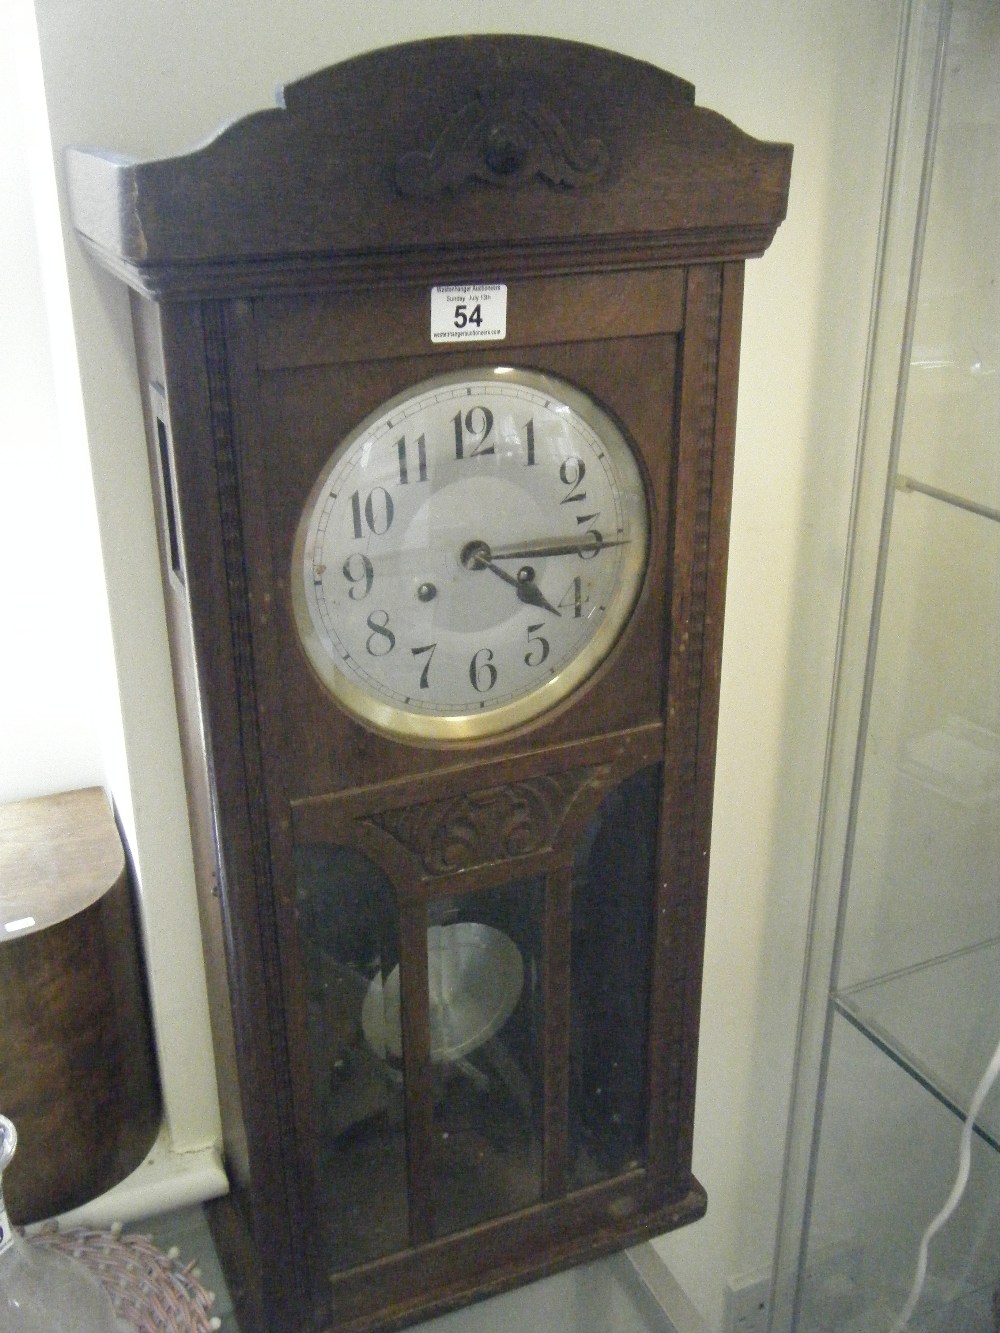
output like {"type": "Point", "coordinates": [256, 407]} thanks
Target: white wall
{"type": "Point", "coordinates": [155, 79]}
{"type": "Point", "coordinates": [54, 657]}
{"type": "Point", "coordinates": [85, 696]}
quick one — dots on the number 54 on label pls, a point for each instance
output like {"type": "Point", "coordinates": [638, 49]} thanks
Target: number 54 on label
{"type": "Point", "coordinates": [468, 313]}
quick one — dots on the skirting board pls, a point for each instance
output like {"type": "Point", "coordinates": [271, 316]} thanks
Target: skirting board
{"type": "Point", "coordinates": [165, 1181]}
{"type": "Point", "coordinates": [666, 1291]}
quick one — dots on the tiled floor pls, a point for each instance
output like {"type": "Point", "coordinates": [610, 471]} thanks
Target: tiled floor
{"type": "Point", "coordinates": [606, 1296]}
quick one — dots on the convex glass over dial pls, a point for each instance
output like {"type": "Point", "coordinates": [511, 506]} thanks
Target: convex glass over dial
{"type": "Point", "coordinates": [470, 554]}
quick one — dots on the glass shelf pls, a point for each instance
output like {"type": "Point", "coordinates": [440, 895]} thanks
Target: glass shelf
{"type": "Point", "coordinates": [903, 1015]}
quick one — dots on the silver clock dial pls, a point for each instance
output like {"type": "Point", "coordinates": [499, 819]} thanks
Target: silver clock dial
{"type": "Point", "coordinates": [469, 554]}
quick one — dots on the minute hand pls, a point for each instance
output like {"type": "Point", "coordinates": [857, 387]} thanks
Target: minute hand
{"type": "Point", "coordinates": [547, 546]}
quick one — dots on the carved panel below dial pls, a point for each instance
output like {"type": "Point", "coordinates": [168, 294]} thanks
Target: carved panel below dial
{"type": "Point", "coordinates": [493, 824]}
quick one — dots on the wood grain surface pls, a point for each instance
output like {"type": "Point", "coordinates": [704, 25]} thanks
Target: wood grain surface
{"type": "Point", "coordinates": [77, 1069]}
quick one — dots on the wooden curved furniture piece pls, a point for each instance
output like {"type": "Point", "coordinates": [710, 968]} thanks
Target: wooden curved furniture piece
{"type": "Point", "coordinates": [77, 1070]}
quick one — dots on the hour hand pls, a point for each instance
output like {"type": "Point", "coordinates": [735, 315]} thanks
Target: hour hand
{"type": "Point", "coordinates": [477, 555]}
{"type": "Point", "coordinates": [528, 590]}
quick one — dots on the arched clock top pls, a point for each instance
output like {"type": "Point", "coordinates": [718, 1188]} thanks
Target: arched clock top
{"type": "Point", "coordinates": [601, 150]}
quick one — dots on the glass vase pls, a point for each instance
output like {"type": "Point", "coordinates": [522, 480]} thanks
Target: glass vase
{"type": "Point", "coordinates": [42, 1292]}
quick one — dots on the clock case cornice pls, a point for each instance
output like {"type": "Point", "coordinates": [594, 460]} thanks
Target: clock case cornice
{"type": "Point", "coordinates": [606, 165]}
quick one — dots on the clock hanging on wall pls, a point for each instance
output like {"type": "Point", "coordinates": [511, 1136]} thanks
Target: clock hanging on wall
{"type": "Point", "coordinates": [439, 360]}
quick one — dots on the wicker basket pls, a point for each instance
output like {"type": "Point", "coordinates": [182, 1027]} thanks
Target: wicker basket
{"type": "Point", "coordinates": [150, 1291]}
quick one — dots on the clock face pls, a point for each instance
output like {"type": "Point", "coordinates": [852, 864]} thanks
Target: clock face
{"type": "Point", "coordinates": [469, 554]}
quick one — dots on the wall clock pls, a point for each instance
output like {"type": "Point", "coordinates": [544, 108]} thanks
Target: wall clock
{"type": "Point", "coordinates": [439, 360]}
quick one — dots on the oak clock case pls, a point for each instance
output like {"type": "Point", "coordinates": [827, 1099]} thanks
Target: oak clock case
{"type": "Point", "coordinates": [445, 622]}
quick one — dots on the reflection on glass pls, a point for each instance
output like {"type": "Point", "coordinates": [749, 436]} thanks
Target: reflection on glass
{"type": "Point", "coordinates": [887, 1160]}
{"type": "Point", "coordinates": [927, 846]}
{"type": "Point", "coordinates": [349, 941]}
{"type": "Point", "coordinates": [483, 954]}
{"type": "Point", "coordinates": [612, 925]}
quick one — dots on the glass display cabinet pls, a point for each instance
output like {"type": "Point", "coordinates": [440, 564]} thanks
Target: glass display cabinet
{"type": "Point", "coordinates": [902, 1009]}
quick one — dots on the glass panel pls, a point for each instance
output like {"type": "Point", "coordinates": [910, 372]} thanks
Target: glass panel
{"type": "Point", "coordinates": [349, 942]}
{"type": "Point", "coordinates": [924, 874]}
{"type": "Point", "coordinates": [888, 1156]}
{"type": "Point", "coordinates": [903, 1014]}
{"type": "Point", "coordinates": [612, 925]}
{"type": "Point", "coordinates": [953, 393]}
{"type": "Point", "coordinates": [483, 954]}
{"type": "Point", "coordinates": [915, 92]}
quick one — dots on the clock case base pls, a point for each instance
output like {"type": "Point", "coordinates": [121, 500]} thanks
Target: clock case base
{"type": "Point", "coordinates": [280, 282]}
{"type": "Point", "coordinates": [488, 1264]}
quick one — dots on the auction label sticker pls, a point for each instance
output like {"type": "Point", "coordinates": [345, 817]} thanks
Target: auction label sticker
{"type": "Point", "coordinates": [469, 313]}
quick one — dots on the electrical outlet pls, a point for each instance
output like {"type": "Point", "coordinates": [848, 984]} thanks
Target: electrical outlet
{"type": "Point", "coordinates": [748, 1301]}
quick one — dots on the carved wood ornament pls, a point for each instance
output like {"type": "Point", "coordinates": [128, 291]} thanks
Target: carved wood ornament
{"type": "Point", "coordinates": [505, 144]}
{"type": "Point", "coordinates": [496, 824]}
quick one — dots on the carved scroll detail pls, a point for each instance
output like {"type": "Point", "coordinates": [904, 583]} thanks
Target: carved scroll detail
{"type": "Point", "coordinates": [481, 827]}
{"type": "Point", "coordinates": [255, 899]}
{"type": "Point", "coordinates": [506, 144]}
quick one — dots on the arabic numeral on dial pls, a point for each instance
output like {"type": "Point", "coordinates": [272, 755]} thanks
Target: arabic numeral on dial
{"type": "Point", "coordinates": [381, 640]}
{"type": "Point", "coordinates": [360, 574]}
{"type": "Point", "coordinates": [571, 473]}
{"type": "Point", "coordinates": [594, 537]}
{"type": "Point", "coordinates": [377, 512]}
{"type": "Point", "coordinates": [482, 672]}
{"type": "Point", "coordinates": [405, 462]}
{"type": "Point", "coordinates": [574, 597]}
{"type": "Point", "coordinates": [428, 648]}
{"type": "Point", "coordinates": [529, 439]}
{"type": "Point", "coordinates": [473, 429]}
{"type": "Point", "coordinates": [538, 649]}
